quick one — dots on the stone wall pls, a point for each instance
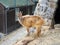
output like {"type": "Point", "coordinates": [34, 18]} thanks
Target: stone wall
{"type": "Point", "coordinates": [46, 8]}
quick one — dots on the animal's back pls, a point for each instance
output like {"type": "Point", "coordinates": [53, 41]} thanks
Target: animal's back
{"type": "Point", "coordinates": [31, 21]}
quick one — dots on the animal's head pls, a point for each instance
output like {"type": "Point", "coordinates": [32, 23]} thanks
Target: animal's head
{"type": "Point", "coordinates": [20, 14]}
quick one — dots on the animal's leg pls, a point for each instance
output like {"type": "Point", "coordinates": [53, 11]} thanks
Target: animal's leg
{"type": "Point", "coordinates": [28, 32]}
{"type": "Point", "coordinates": [52, 24]}
{"type": "Point", "coordinates": [38, 31]}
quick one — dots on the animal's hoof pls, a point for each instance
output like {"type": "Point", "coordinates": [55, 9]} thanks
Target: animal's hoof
{"type": "Point", "coordinates": [37, 36]}
{"type": "Point", "coordinates": [27, 35]}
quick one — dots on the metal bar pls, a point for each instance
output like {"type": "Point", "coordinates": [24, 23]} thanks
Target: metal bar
{"type": "Point", "coordinates": [6, 21]}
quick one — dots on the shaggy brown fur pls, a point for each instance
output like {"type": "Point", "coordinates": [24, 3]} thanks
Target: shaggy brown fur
{"type": "Point", "coordinates": [29, 21]}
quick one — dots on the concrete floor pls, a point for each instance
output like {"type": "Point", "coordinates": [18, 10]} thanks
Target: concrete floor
{"type": "Point", "coordinates": [52, 37]}
{"type": "Point", "coordinates": [13, 37]}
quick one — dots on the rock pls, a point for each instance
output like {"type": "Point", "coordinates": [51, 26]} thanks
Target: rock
{"type": "Point", "coordinates": [46, 9]}
{"type": "Point", "coordinates": [24, 41]}
{"type": "Point", "coordinates": [57, 26]}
